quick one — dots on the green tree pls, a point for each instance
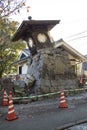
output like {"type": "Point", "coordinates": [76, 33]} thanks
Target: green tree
{"type": "Point", "coordinates": [9, 50]}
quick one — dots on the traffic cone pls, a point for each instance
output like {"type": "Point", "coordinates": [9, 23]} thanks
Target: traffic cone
{"type": "Point", "coordinates": [62, 101]}
{"type": "Point", "coordinates": [5, 99]}
{"type": "Point", "coordinates": [11, 112]}
{"type": "Point", "coordinates": [81, 80]}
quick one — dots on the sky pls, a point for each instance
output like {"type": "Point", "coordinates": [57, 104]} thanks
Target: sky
{"type": "Point", "coordinates": [72, 15]}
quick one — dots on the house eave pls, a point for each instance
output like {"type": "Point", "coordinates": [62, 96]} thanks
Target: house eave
{"type": "Point", "coordinates": [70, 50]}
{"type": "Point", "coordinates": [21, 61]}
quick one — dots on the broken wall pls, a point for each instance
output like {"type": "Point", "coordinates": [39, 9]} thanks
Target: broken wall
{"type": "Point", "coordinates": [52, 70]}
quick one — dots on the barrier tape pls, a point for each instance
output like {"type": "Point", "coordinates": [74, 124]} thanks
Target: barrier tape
{"type": "Point", "coordinates": [37, 96]}
{"type": "Point", "coordinates": [48, 94]}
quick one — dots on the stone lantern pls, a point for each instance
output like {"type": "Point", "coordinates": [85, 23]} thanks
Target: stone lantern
{"type": "Point", "coordinates": [36, 34]}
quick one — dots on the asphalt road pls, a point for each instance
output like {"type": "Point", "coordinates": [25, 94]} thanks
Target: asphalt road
{"type": "Point", "coordinates": [44, 115]}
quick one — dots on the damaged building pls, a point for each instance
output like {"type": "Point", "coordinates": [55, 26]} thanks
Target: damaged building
{"type": "Point", "coordinates": [52, 64]}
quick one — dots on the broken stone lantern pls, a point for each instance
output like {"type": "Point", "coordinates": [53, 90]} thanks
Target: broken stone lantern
{"type": "Point", "coordinates": [36, 34]}
{"type": "Point", "coordinates": [45, 59]}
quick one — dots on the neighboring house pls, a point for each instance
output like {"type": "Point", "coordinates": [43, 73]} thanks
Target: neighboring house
{"type": "Point", "coordinates": [83, 68]}
{"type": "Point", "coordinates": [76, 58]}
{"type": "Point", "coordinates": [22, 62]}
{"type": "Point", "coordinates": [59, 62]}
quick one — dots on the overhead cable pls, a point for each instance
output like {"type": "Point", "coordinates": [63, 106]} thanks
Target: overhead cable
{"type": "Point", "coordinates": [77, 38]}
{"type": "Point", "coordinates": [77, 34]}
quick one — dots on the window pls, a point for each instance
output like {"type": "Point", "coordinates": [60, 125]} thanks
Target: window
{"type": "Point", "coordinates": [20, 69]}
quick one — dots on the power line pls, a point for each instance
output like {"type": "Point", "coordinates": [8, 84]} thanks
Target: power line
{"type": "Point", "coordinates": [77, 38]}
{"type": "Point", "coordinates": [77, 34]}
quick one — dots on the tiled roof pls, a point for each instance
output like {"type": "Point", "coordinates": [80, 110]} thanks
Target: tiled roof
{"type": "Point", "coordinates": [70, 50]}
{"type": "Point", "coordinates": [25, 54]}
{"type": "Point", "coordinates": [31, 25]}
{"type": "Point", "coordinates": [27, 51]}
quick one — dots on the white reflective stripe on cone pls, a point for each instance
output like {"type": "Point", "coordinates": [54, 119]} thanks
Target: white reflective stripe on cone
{"type": "Point", "coordinates": [62, 97]}
{"type": "Point", "coordinates": [10, 101]}
{"type": "Point", "coordinates": [5, 99]}
{"type": "Point", "coordinates": [11, 106]}
{"type": "Point", "coordinates": [62, 101]}
{"type": "Point", "coordinates": [10, 111]}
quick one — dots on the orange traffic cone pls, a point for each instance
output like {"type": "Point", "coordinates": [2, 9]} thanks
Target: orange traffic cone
{"type": "Point", "coordinates": [5, 99]}
{"type": "Point", "coordinates": [11, 113]}
{"type": "Point", "coordinates": [62, 101]}
{"type": "Point", "coordinates": [81, 80]}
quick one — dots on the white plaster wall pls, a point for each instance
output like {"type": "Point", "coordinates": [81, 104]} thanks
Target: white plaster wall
{"type": "Point", "coordinates": [24, 69]}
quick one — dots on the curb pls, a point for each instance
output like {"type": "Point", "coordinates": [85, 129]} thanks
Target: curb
{"type": "Point", "coordinates": [66, 126]}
